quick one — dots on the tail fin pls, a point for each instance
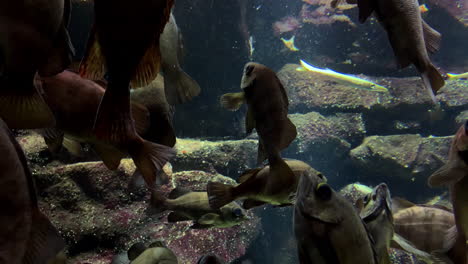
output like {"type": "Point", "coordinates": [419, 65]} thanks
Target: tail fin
{"type": "Point", "coordinates": [219, 194]}
{"type": "Point", "coordinates": [44, 241]}
{"type": "Point", "coordinates": [433, 81]}
{"type": "Point", "coordinates": [179, 87]}
{"type": "Point", "coordinates": [150, 158]}
{"type": "Point", "coordinates": [232, 101]}
{"type": "Point", "coordinates": [157, 204]}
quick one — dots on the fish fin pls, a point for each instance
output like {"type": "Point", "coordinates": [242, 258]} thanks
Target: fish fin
{"type": "Point", "coordinates": [110, 156]}
{"type": "Point", "coordinates": [73, 146]}
{"type": "Point", "coordinates": [399, 203]}
{"type": "Point", "coordinates": [250, 203]}
{"type": "Point", "coordinates": [448, 173]}
{"type": "Point", "coordinates": [176, 217]}
{"type": "Point", "coordinates": [281, 175]}
{"type": "Point", "coordinates": [284, 94]}
{"type": "Point", "coordinates": [262, 155]}
{"type": "Point", "coordinates": [249, 121]}
{"type": "Point", "coordinates": [44, 241]}
{"type": "Point", "coordinates": [454, 245]}
{"type": "Point", "coordinates": [219, 194]}
{"type": "Point", "coordinates": [433, 80]}
{"type": "Point", "coordinates": [409, 247]}
{"type": "Point", "coordinates": [150, 158]}
{"type": "Point", "coordinates": [179, 87]}
{"type": "Point", "coordinates": [178, 192]}
{"type": "Point", "coordinates": [439, 257]}
{"type": "Point", "coordinates": [92, 65]}
{"type": "Point", "coordinates": [199, 226]}
{"type": "Point", "coordinates": [61, 55]}
{"type": "Point", "coordinates": [149, 66]}
{"type": "Point", "coordinates": [208, 219]}
{"type": "Point", "coordinates": [450, 237]}
{"type": "Point", "coordinates": [432, 38]}
{"type": "Point", "coordinates": [157, 203]}
{"type": "Point", "coordinates": [288, 134]}
{"type": "Point", "coordinates": [53, 138]}
{"type": "Point", "coordinates": [366, 7]}
{"type": "Point", "coordinates": [232, 101]}
{"type": "Point", "coordinates": [141, 117]}
{"type": "Point", "coordinates": [248, 174]}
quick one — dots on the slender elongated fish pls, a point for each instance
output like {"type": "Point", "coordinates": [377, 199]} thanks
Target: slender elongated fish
{"type": "Point", "coordinates": [156, 253]}
{"type": "Point", "coordinates": [453, 76]}
{"type": "Point", "coordinates": [454, 174]}
{"type": "Point", "coordinates": [33, 38]}
{"type": "Point", "coordinates": [26, 235]}
{"type": "Point", "coordinates": [345, 79]}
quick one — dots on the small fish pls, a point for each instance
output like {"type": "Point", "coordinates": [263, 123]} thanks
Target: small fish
{"type": "Point", "coordinates": [289, 43]}
{"type": "Point", "coordinates": [156, 255]}
{"type": "Point", "coordinates": [327, 227]}
{"type": "Point", "coordinates": [423, 8]}
{"type": "Point", "coordinates": [74, 101]}
{"type": "Point", "coordinates": [178, 85]}
{"type": "Point", "coordinates": [258, 187]}
{"type": "Point", "coordinates": [453, 76]}
{"type": "Point", "coordinates": [251, 47]}
{"type": "Point", "coordinates": [410, 37]}
{"type": "Point", "coordinates": [26, 235]}
{"type": "Point", "coordinates": [33, 39]}
{"type": "Point", "coordinates": [124, 42]}
{"type": "Point", "coordinates": [267, 112]}
{"type": "Point", "coordinates": [209, 259]}
{"type": "Point", "coordinates": [454, 174]}
{"type": "Point", "coordinates": [345, 79]}
{"type": "Point", "coordinates": [186, 205]}
{"type": "Point", "coordinates": [376, 211]}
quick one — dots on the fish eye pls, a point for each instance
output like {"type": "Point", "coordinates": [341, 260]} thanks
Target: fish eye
{"type": "Point", "coordinates": [320, 175]}
{"type": "Point", "coordinates": [366, 199]}
{"type": "Point", "coordinates": [323, 192]}
{"type": "Point", "coordinates": [237, 212]}
{"type": "Point", "coordinates": [249, 69]}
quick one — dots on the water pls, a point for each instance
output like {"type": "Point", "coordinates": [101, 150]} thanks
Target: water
{"type": "Point", "coordinates": [348, 134]}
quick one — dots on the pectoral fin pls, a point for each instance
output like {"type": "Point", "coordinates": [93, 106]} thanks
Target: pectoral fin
{"type": "Point", "coordinates": [449, 173]}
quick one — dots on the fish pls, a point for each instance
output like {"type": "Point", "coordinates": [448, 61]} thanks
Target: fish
{"type": "Point", "coordinates": [26, 234]}
{"type": "Point", "coordinates": [161, 113]}
{"type": "Point", "coordinates": [74, 102]}
{"type": "Point", "coordinates": [267, 112]}
{"type": "Point", "coordinates": [259, 188]}
{"type": "Point", "coordinates": [209, 259]}
{"type": "Point", "coordinates": [410, 37]}
{"type": "Point", "coordinates": [251, 47]}
{"type": "Point", "coordinates": [423, 8]}
{"type": "Point", "coordinates": [156, 255]}
{"type": "Point", "coordinates": [327, 227]}
{"type": "Point", "coordinates": [187, 205]}
{"type": "Point", "coordinates": [454, 174]}
{"type": "Point", "coordinates": [289, 43]}
{"type": "Point", "coordinates": [376, 212]}
{"type": "Point", "coordinates": [124, 44]}
{"type": "Point", "coordinates": [33, 39]}
{"type": "Point", "coordinates": [179, 87]}
{"type": "Point", "coordinates": [453, 76]}
{"type": "Point", "coordinates": [344, 78]}
{"type": "Point", "coordinates": [135, 250]}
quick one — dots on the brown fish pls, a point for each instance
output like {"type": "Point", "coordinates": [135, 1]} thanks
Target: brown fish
{"type": "Point", "coordinates": [376, 212]}
{"type": "Point", "coordinates": [33, 37]}
{"type": "Point", "coordinates": [410, 36]}
{"type": "Point", "coordinates": [125, 39]}
{"type": "Point", "coordinates": [187, 205]}
{"type": "Point", "coordinates": [327, 227]}
{"type": "Point", "coordinates": [26, 235]}
{"type": "Point", "coordinates": [152, 96]}
{"type": "Point", "coordinates": [74, 102]}
{"type": "Point", "coordinates": [454, 174]}
{"type": "Point", "coordinates": [259, 187]}
{"type": "Point", "coordinates": [267, 112]}
{"type": "Point", "coordinates": [179, 86]}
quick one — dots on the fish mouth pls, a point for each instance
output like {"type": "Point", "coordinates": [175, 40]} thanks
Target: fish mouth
{"type": "Point", "coordinates": [383, 202]}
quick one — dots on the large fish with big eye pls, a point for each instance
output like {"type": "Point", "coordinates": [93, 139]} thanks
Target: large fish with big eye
{"type": "Point", "coordinates": [33, 39]}
{"type": "Point", "coordinates": [327, 227]}
{"type": "Point", "coordinates": [26, 235]}
{"type": "Point", "coordinates": [267, 112]}
{"type": "Point", "coordinates": [454, 174]}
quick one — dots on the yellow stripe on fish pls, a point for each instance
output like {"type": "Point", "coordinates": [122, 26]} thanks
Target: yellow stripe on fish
{"type": "Point", "coordinates": [453, 76]}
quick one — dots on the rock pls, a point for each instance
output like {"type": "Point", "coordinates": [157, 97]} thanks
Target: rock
{"type": "Point", "coordinates": [353, 191]}
{"type": "Point", "coordinates": [461, 118]}
{"type": "Point", "coordinates": [404, 159]}
{"type": "Point", "coordinates": [95, 212]}
{"type": "Point", "coordinates": [398, 256]}
{"type": "Point", "coordinates": [229, 158]}
{"type": "Point", "coordinates": [453, 94]}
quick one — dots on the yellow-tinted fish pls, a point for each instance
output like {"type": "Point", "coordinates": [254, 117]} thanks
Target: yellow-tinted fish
{"type": "Point", "coordinates": [26, 235]}
{"type": "Point", "coordinates": [453, 76]}
{"type": "Point", "coordinates": [289, 43]}
{"type": "Point", "coordinates": [156, 253]}
{"type": "Point", "coordinates": [423, 8]}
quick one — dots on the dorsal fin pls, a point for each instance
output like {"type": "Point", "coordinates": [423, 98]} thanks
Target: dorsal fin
{"type": "Point", "coordinates": [399, 203]}
{"type": "Point", "coordinates": [177, 192]}
{"type": "Point", "coordinates": [248, 174]}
